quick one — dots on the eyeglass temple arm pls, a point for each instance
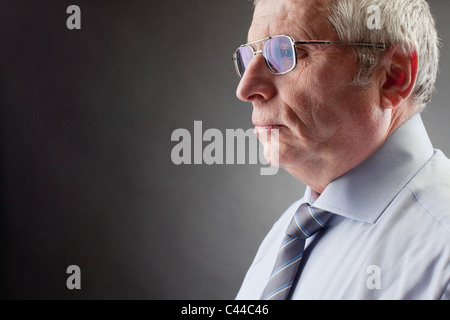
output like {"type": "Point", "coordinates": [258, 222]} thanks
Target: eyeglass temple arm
{"type": "Point", "coordinates": [380, 45]}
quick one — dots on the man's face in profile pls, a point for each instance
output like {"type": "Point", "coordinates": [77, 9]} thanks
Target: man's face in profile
{"type": "Point", "coordinates": [321, 115]}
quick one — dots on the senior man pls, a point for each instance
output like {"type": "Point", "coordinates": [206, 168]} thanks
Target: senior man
{"type": "Point", "coordinates": [346, 99]}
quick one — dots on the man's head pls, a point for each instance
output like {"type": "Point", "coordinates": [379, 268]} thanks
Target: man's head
{"type": "Point", "coordinates": [340, 103]}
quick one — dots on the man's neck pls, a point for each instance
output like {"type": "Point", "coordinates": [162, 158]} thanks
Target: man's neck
{"type": "Point", "coordinates": [320, 172]}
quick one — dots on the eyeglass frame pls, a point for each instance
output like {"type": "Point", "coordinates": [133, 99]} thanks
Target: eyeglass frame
{"type": "Point", "coordinates": [294, 45]}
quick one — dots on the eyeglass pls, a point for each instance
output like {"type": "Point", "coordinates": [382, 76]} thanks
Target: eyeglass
{"type": "Point", "coordinates": [280, 53]}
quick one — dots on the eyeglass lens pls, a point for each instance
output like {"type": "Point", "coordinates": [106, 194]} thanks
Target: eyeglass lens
{"type": "Point", "coordinates": [279, 53]}
{"type": "Point", "coordinates": [243, 57]}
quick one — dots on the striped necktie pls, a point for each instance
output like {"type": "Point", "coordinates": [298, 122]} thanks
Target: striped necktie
{"type": "Point", "coordinates": [306, 221]}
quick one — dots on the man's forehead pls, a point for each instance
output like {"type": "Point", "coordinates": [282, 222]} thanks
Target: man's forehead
{"type": "Point", "coordinates": [298, 18]}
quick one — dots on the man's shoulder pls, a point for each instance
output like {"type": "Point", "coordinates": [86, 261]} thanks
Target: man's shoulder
{"type": "Point", "coordinates": [431, 188]}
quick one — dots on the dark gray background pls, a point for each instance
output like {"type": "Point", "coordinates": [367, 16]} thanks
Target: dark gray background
{"type": "Point", "coordinates": [86, 123]}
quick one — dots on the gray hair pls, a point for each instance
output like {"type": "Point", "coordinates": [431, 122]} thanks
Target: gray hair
{"type": "Point", "coordinates": [408, 23]}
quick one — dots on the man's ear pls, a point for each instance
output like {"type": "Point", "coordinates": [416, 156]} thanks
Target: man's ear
{"type": "Point", "coordinates": [399, 73]}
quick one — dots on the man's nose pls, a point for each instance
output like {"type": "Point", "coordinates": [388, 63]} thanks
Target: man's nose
{"type": "Point", "coordinates": [257, 81]}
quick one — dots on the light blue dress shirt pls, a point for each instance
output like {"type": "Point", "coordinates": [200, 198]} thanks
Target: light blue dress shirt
{"type": "Point", "coordinates": [389, 237]}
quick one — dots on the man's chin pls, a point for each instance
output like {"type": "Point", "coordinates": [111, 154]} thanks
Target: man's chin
{"type": "Point", "coordinates": [280, 162]}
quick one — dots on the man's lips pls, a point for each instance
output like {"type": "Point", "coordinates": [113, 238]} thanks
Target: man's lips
{"type": "Point", "coordinates": [267, 127]}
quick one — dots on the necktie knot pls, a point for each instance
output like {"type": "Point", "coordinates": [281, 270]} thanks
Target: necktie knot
{"type": "Point", "coordinates": [307, 221]}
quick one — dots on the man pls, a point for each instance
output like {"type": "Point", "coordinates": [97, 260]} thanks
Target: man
{"type": "Point", "coordinates": [345, 95]}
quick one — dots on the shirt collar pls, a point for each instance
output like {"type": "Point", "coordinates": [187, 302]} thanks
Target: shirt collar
{"type": "Point", "coordinates": [365, 192]}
